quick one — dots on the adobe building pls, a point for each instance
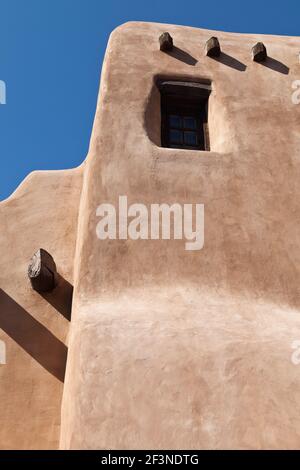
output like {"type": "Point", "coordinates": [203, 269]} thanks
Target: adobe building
{"type": "Point", "coordinates": [163, 348]}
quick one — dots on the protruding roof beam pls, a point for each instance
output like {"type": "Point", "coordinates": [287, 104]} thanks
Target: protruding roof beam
{"type": "Point", "coordinates": [42, 271]}
{"type": "Point", "coordinates": [165, 42]}
{"type": "Point", "coordinates": [259, 52]}
{"type": "Point", "coordinates": [212, 47]}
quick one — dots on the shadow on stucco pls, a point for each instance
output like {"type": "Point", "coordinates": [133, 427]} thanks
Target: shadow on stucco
{"type": "Point", "coordinates": [230, 61]}
{"type": "Point", "coordinates": [182, 55]}
{"type": "Point", "coordinates": [276, 65]}
{"type": "Point", "coordinates": [32, 336]}
{"type": "Point", "coordinates": [61, 297]}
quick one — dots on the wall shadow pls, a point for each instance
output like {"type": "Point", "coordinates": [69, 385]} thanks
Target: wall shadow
{"type": "Point", "coordinates": [32, 336]}
{"type": "Point", "coordinates": [61, 297]}
{"type": "Point", "coordinates": [182, 55]}
{"type": "Point", "coordinates": [230, 61]}
{"type": "Point", "coordinates": [276, 65]}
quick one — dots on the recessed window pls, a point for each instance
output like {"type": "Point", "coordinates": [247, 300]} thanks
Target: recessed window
{"type": "Point", "coordinates": [184, 112]}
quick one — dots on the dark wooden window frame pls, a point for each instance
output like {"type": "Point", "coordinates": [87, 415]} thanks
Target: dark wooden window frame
{"type": "Point", "coordinates": [185, 99]}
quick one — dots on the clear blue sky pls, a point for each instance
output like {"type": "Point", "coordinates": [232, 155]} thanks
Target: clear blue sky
{"type": "Point", "coordinates": [51, 53]}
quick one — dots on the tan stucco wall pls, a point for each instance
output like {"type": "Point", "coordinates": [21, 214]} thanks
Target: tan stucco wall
{"type": "Point", "coordinates": [167, 348]}
{"type": "Point", "coordinates": [175, 349]}
{"type": "Point", "coordinates": [41, 213]}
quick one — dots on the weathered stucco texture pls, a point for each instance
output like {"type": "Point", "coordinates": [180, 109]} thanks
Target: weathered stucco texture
{"type": "Point", "coordinates": [41, 213]}
{"type": "Point", "coordinates": [177, 349]}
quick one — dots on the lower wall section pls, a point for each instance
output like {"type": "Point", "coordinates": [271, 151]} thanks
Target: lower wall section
{"type": "Point", "coordinates": [182, 368]}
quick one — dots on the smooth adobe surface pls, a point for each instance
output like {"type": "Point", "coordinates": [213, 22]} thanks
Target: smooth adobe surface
{"type": "Point", "coordinates": [175, 349]}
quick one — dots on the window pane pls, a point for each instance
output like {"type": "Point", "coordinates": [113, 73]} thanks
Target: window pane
{"type": "Point", "coordinates": [189, 123]}
{"type": "Point", "coordinates": [175, 121]}
{"type": "Point", "coordinates": [190, 138]}
{"type": "Point", "coordinates": [176, 137]}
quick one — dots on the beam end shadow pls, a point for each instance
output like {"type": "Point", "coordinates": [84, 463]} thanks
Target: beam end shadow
{"type": "Point", "coordinates": [61, 297]}
{"type": "Point", "coordinates": [182, 55]}
{"type": "Point", "coordinates": [230, 61]}
{"type": "Point", "coordinates": [32, 336]}
{"type": "Point", "coordinates": [275, 65]}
